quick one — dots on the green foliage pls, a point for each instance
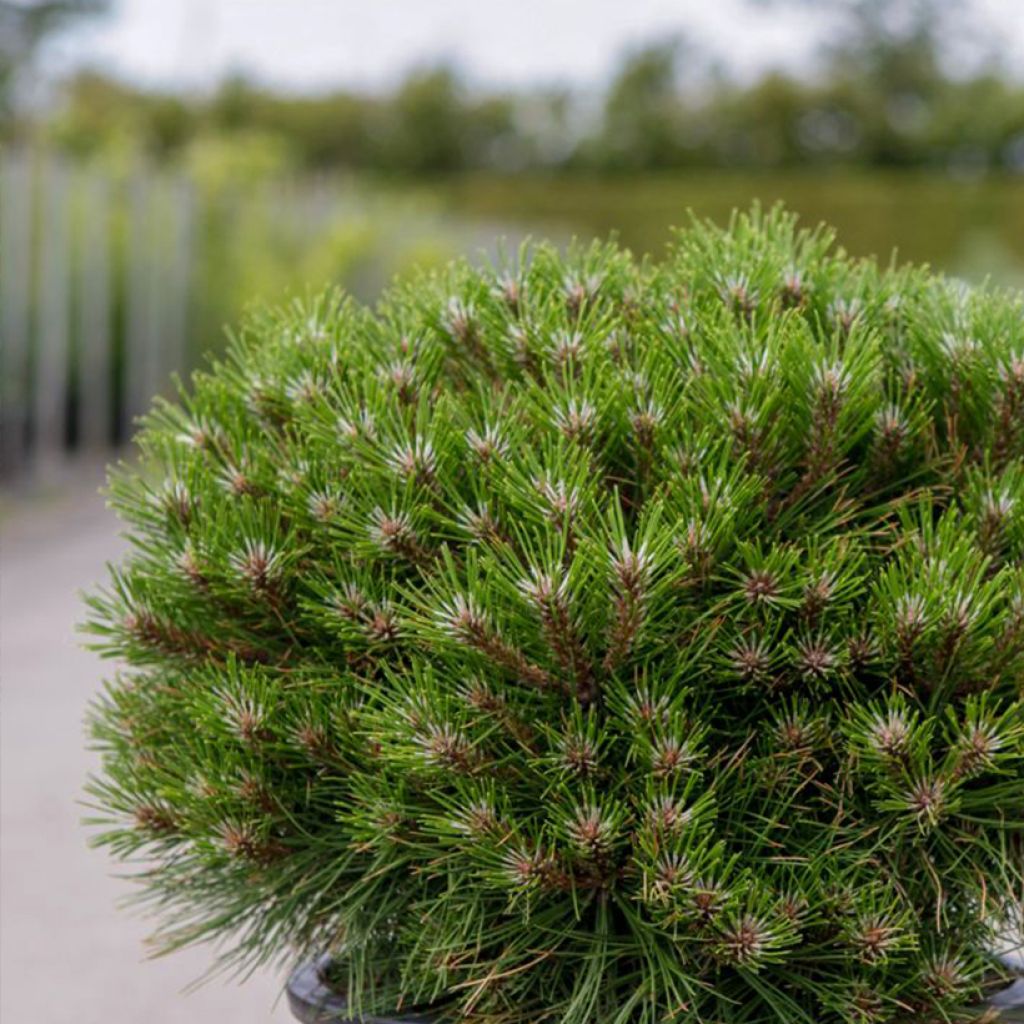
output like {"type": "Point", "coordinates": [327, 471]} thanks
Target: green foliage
{"type": "Point", "coordinates": [588, 640]}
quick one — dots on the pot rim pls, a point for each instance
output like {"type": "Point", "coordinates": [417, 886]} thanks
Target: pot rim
{"type": "Point", "coordinates": [312, 1001]}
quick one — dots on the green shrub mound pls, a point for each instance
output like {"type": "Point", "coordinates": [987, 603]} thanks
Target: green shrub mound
{"type": "Point", "coordinates": [589, 640]}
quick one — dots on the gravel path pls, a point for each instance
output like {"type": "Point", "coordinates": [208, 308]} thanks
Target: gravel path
{"type": "Point", "coordinates": [67, 954]}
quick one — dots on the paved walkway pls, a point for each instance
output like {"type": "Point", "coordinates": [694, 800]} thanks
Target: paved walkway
{"type": "Point", "coordinates": [67, 954]}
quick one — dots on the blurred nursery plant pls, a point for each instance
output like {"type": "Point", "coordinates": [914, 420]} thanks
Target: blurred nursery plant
{"type": "Point", "coordinates": [587, 640]}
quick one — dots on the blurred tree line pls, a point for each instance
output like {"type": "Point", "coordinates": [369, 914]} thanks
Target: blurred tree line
{"type": "Point", "coordinates": [24, 24]}
{"type": "Point", "coordinates": [887, 91]}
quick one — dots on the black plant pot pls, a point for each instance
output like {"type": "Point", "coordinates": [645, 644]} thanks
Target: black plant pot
{"type": "Point", "coordinates": [313, 1002]}
{"type": "Point", "coordinates": [1010, 1001]}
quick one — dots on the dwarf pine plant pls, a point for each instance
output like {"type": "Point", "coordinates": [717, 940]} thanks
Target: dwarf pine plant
{"type": "Point", "coordinates": [589, 640]}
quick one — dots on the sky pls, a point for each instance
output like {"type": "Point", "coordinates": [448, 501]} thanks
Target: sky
{"type": "Point", "coordinates": [305, 45]}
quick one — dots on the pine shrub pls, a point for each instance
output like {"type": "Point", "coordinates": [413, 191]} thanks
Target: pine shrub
{"type": "Point", "coordinates": [588, 640]}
